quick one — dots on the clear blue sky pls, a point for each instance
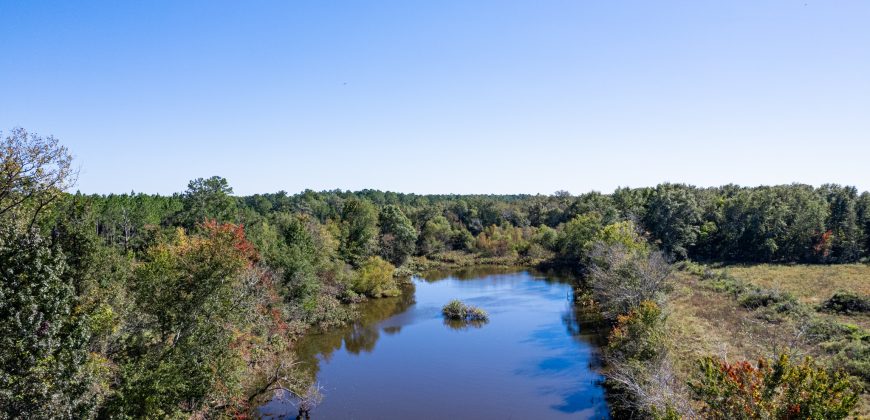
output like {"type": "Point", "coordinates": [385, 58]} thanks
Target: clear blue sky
{"type": "Point", "coordinates": [443, 96]}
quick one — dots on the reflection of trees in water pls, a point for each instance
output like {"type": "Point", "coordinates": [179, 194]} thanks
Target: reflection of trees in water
{"type": "Point", "coordinates": [393, 330]}
{"type": "Point", "coordinates": [462, 324]}
{"type": "Point", "coordinates": [481, 272]}
{"type": "Point", "coordinates": [470, 273]}
{"type": "Point", "coordinates": [584, 326]}
{"type": "Point", "coordinates": [364, 333]}
{"type": "Point", "coordinates": [361, 335]}
{"type": "Point", "coordinates": [361, 338]}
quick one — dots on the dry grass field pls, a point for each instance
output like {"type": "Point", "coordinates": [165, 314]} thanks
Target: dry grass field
{"type": "Point", "coordinates": [811, 284]}
{"type": "Point", "coordinates": [705, 320]}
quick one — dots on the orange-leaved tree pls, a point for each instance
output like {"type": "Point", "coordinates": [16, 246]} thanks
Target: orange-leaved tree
{"type": "Point", "coordinates": [773, 389]}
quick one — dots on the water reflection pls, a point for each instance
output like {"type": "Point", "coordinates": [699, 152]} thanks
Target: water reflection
{"type": "Point", "coordinates": [468, 273]}
{"type": "Point", "coordinates": [582, 397]}
{"type": "Point", "coordinates": [462, 324]}
{"type": "Point", "coordinates": [536, 358]}
{"type": "Point", "coordinates": [359, 337]}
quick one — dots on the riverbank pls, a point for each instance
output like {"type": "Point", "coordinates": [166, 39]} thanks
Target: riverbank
{"type": "Point", "coordinates": [451, 260]}
{"type": "Point", "coordinates": [689, 340]}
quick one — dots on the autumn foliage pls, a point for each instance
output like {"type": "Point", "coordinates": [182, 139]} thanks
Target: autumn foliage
{"type": "Point", "coordinates": [235, 236]}
{"type": "Point", "coordinates": [772, 389]}
{"type": "Point", "coordinates": [214, 332]}
{"type": "Point", "coordinates": [637, 335]}
{"type": "Point", "coordinates": [822, 248]}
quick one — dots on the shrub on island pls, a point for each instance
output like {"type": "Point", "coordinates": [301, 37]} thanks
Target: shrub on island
{"type": "Point", "coordinates": [457, 310]}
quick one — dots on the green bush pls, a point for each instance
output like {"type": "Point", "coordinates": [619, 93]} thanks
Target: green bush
{"type": "Point", "coordinates": [638, 335]}
{"type": "Point", "coordinates": [763, 298]}
{"type": "Point", "coordinates": [772, 389]}
{"type": "Point", "coordinates": [853, 356]}
{"type": "Point", "coordinates": [692, 267]}
{"type": "Point", "coordinates": [375, 279]}
{"type": "Point", "coordinates": [846, 302]}
{"type": "Point", "coordinates": [821, 330]}
{"type": "Point", "coordinates": [723, 282]}
{"type": "Point", "coordinates": [476, 314]}
{"type": "Point", "coordinates": [457, 310]}
{"type": "Point", "coordinates": [773, 304]}
{"type": "Point", "coordinates": [454, 310]}
{"type": "Point", "coordinates": [848, 345]}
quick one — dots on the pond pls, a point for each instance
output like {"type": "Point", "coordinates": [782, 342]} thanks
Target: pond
{"type": "Point", "coordinates": [534, 358]}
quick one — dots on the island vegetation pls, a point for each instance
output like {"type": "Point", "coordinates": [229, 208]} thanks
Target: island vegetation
{"type": "Point", "coordinates": [459, 311]}
{"type": "Point", "coordinates": [719, 302]}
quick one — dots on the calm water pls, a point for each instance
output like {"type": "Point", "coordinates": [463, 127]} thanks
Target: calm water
{"type": "Point", "coordinates": [532, 360]}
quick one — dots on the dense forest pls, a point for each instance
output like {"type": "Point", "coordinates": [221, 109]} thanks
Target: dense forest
{"type": "Point", "coordinates": [138, 305]}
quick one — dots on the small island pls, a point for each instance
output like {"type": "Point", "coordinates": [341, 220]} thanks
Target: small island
{"type": "Point", "coordinates": [456, 310]}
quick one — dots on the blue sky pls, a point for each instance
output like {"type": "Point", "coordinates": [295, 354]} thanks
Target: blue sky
{"type": "Point", "coordinates": [443, 96]}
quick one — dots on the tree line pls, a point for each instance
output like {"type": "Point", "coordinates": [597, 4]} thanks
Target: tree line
{"type": "Point", "coordinates": [732, 224]}
{"type": "Point", "coordinates": [138, 305]}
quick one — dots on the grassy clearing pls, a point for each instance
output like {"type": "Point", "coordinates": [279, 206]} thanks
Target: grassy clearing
{"type": "Point", "coordinates": [747, 312]}
{"type": "Point", "coordinates": [811, 284]}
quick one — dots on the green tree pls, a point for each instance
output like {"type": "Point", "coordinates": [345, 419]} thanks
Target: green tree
{"type": "Point", "coordinates": [576, 239]}
{"type": "Point", "coordinates": [789, 223]}
{"type": "Point", "coordinates": [673, 218]}
{"type": "Point", "coordinates": [375, 279]}
{"type": "Point", "coordinates": [398, 237]}
{"type": "Point", "coordinates": [631, 202]}
{"type": "Point", "coordinates": [34, 171]}
{"type": "Point", "coordinates": [359, 230]}
{"type": "Point", "coordinates": [864, 220]}
{"type": "Point", "coordinates": [594, 202]}
{"type": "Point", "coordinates": [208, 199]}
{"type": "Point", "coordinates": [842, 222]}
{"type": "Point", "coordinates": [289, 244]}
{"type": "Point", "coordinates": [436, 235]}
{"type": "Point", "coordinates": [626, 234]}
{"type": "Point", "coordinates": [546, 237]}
{"type": "Point", "coordinates": [194, 296]}
{"type": "Point", "coordinates": [43, 343]}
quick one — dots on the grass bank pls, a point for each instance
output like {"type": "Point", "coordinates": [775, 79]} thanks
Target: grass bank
{"type": "Point", "coordinates": [747, 312]}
